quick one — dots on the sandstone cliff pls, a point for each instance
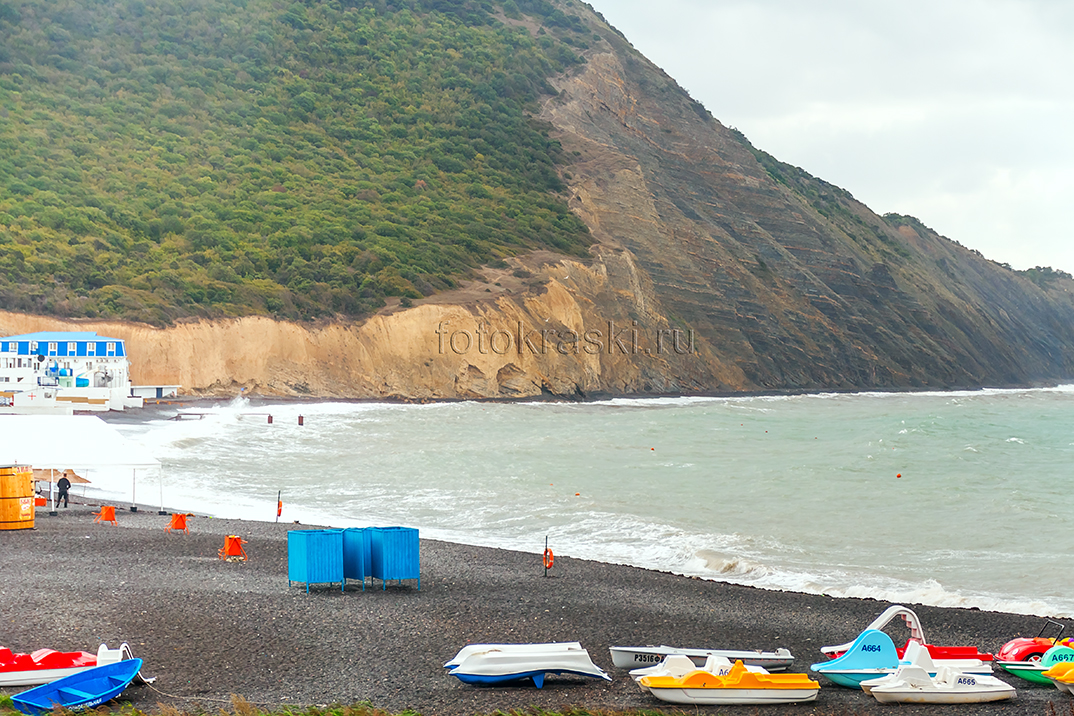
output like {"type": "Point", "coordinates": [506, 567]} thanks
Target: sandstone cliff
{"type": "Point", "coordinates": [717, 269]}
{"type": "Point", "coordinates": [573, 332]}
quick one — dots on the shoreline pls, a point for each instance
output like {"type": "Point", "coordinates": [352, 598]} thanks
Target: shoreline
{"type": "Point", "coordinates": [208, 629]}
{"type": "Point", "coordinates": [154, 408]}
{"type": "Point", "coordinates": [211, 399]}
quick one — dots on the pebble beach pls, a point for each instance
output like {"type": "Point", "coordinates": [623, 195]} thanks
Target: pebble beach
{"type": "Point", "coordinates": [209, 629]}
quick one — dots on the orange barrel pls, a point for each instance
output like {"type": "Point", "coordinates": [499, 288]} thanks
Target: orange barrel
{"type": "Point", "coordinates": [16, 497]}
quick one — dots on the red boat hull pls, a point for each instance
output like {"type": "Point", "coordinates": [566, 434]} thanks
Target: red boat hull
{"type": "Point", "coordinates": [41, 666]}
{"type": "Point", "coordinates": [951, 652]}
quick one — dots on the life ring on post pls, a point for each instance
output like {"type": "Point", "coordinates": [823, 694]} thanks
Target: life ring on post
{"type": "Point", "coordinates": [549, 560]}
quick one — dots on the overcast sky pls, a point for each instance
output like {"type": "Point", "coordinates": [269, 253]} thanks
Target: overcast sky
{"type": "Point", "coordinates": [959, 113]}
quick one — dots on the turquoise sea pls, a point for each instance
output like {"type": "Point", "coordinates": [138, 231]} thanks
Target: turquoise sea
{"type": "Point", "coordinates": [952, 499]}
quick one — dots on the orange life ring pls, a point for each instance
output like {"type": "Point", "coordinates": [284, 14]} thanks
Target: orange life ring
{"type": "Point", "coordinates": [549, 560]}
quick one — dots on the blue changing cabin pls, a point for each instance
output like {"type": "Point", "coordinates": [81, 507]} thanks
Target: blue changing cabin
{"type": "Point", "coordinates": [394, 554]}
{"type": "Point", "coordinates": [315, 557]}
{"type": "Point", "coordinates": [357, 558]}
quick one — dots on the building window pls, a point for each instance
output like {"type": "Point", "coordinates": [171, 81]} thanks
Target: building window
{"type": "Point", "coordinates": [70, 348]}
{"type": "Point", "coordinates": [33, 346]}
{"type": "Point", "coordinates": [111, 348]}
{"type": "Point", "coordinates": [91, 349]}
{"type": "Point", "coordinates": [52, 348]}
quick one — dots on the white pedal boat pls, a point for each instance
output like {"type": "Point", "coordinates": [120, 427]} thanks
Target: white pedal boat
{"type": "Point", "coordinates": [632, 657]}
{"type": "Point", "coordinates": [529, 648]}
{"type": "Point", "coordinates": [496, 665]}
{"type": "Point", "coordinates": [739, 685]}
{"type": "Point", "coordinates": [911, 683]}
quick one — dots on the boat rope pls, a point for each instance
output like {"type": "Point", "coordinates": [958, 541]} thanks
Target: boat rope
{"type": "Point", "coordinates": [273, 704]}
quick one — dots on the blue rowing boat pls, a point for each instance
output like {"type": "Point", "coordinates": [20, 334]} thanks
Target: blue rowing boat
{"type": "Point", "coordinates": [82, 690]}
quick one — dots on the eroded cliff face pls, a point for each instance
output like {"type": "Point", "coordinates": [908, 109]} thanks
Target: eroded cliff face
{"type": "Point", "coordinates": [578, 330]}
{"type": "Point", "coordinates": [781, 275]}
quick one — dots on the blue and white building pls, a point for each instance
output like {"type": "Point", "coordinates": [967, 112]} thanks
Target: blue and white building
{"type": "Point", "coordinates": [60, 371]}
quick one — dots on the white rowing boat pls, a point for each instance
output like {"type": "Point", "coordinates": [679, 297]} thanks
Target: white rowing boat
{"type": "Point", "coordinates": [633, 657]}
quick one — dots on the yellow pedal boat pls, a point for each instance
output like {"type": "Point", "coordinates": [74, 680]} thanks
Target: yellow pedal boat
{"type": "Point", "coordinates": [738, 686]}
{"type": "Point", "coordinates": [1062, 675]}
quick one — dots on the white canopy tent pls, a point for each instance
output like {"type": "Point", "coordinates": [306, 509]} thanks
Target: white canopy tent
{"type": "Point", "coordinates": [71, 441]}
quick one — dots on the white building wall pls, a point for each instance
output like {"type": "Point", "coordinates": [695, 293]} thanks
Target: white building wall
{"type": "Point", "coordinates": [108, 378]}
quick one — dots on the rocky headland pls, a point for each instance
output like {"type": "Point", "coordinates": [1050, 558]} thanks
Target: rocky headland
{"type": "Point", "coordinates": [716, 269]}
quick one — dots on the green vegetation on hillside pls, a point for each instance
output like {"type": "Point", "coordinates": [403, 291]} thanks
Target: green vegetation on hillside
{"type": "Point", "coordinates": [1042, 276]}
{"type": "Point", "coordinates": [170, 158]}
{"type": "Point", "coordinates": [1045, 276]}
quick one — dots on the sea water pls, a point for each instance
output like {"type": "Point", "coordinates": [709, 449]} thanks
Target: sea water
{"type": "Point", "coordinates": [950, 499]}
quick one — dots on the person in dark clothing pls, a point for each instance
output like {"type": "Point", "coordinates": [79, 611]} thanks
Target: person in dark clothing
{"type": "Point", "coordinates": [64, 485]}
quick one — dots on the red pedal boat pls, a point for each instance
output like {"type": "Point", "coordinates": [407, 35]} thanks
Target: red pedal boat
{"type": "Point", "coordinates": [1032, 648]}
{"type": "Point", "coordinates": [46, 665]}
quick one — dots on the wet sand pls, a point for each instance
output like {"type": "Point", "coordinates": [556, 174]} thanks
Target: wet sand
{"type": "Point", "coordinates": [209, 628]}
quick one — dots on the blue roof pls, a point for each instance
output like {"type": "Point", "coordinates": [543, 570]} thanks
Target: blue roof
{"type": "Point", "coordinates": [60, 337]}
